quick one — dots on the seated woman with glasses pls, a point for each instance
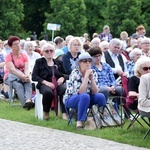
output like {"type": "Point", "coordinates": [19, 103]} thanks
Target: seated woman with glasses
{"type": "Point", "coordinates": [44, 70]}
{"type": "Point", "coordinates": [106, 80]}
{"type": "Point", "coordinates": [82, 89]}
{"type": "Point", "coordinates": [142, 66]}
{"type": "Point", "coordinates": [144, 95]}
{"type": "Point", "coordinates": [71, 57]}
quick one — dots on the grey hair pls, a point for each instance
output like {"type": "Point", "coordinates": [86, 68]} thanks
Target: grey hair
{"type": "Point", "coordinates": [97, 39]}
{"type": "Point", "coordinates": [134, 52]}
{"type": "Point", "coordinates": [103, 43]}
{"type": "Point", "coordinates": [142, 60]}
{"type": "Point", "coordinates": [144, 40]}
{"type": "Point", "coordinates": [72, 40]}
{"type": "Point", "coordinates": [116, 41]}
{"type": "Point", "coordinates": [47, 45]}
{"type": "Point", "coordinates": [27, 44]}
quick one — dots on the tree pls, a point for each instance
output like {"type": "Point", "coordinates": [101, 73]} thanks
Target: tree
{"type": "Point", "coordinates": [70, 14]}
{"type": "Point", "coordinates": [124, 15]}
{"type": "Point", "coordinates": [11, 14]}
{"type": "Point", "coordinates": [95, 16]}
{"type": "Point", "coordinates": [146, 11]}
{"type": "Point", "coordinates": [34, 11]}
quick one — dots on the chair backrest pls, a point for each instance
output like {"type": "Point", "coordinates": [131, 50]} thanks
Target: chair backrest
{"type": "Point", "coordinates": [124, 81]}
{"type": "Point", "coordinates": [129, 99]}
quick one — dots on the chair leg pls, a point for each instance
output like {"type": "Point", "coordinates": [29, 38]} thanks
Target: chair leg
{"type": "Point", "coordinates": [135, 118]}
{"type": "Point", "coordinates": [146, 133]}
{"type": "Point", "coordinates": [70, 115]}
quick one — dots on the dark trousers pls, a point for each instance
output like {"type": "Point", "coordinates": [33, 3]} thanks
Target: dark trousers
{"type": "Point", "coordinates": [48, 96]}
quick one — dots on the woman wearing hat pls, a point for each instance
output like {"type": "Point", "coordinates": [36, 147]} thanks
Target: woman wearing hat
{"type": "Point", "coordinates": [82, 89]}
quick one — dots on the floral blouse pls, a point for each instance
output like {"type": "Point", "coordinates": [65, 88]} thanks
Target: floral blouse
{"type": "Point", "coordinates": [74, 83]}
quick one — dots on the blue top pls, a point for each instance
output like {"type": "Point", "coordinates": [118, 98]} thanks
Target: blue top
{"type": "Point", "coordinates": [105, 76]}
{"type": "Point", "coordinates": [65, 49]}
{"type": "Point", "coordinates": [69, 62]}
{"type": "Point", "coordinates": [130, 67]}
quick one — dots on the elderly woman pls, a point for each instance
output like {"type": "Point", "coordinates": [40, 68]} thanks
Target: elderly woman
{"type": "Point", "coordinates": [106, 80]}
{"type": "Point", "coordinates": [71, 57]}
{"type": "Point", "coordinates": [141, 67]}
{"type": "Point", "coordinates": [134, 55]}
{"type": "Point", "coordinates": [145, 46]}
{"type": "Point", "coordinates": [32, 55]}
{"type": "Point", "coordinates": [144, 95]}
{"type": "Point", "coordinates": [18, 65]}
{"type": "Point", "coordinates": [82, 89]}
{"type": "Point", "coordinates": [44, 70]}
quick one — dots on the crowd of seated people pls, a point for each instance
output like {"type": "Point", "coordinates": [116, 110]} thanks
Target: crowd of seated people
{"type": "Point", "coordinates": [107, 60]}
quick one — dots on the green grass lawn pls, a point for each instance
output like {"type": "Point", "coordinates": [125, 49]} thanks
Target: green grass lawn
{"type": "Point", "coordinates": [132, 136]}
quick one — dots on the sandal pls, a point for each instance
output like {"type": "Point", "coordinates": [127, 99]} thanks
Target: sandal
{"type": "Point", "coordinates": [79, 127]}
{"type": "Point", "coordinates": [29, 105]}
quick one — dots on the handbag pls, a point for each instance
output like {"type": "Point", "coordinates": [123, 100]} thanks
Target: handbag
{"type": "Point", "coordinates": [13, 77]}
{"type": "Point", "coordinates": [106, 117]}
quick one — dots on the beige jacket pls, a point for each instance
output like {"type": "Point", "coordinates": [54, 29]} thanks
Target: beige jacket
{"type": "Point", "coordinates": [144, 93]}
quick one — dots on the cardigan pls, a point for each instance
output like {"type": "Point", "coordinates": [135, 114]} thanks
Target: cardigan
{"type": "Point", "coordinates": [144, 93]}
{"type": "Point", "coordinates": [42, 71]}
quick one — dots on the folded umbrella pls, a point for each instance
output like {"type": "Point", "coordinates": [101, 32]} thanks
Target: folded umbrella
{"type": "Point", "coordinates": [54, 81]}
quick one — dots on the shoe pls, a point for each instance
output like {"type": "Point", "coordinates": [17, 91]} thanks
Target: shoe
{"type": "Point", "coordinates": [46, 116]}
{"type": "Point", "coordinates": [5, 94]}
{"type": "Point", "coordinates": [29, 105]}
{"type": "Point", "coordinates": [79, 127]}
{"type": "Point", "coordinates": [64, 116]}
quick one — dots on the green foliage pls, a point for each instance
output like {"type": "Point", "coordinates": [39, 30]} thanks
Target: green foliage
{"type": "Point", "coordinates": [95, 15]}
{"type": "Point", "coordinates": [124, 15]}
{"type": "Point", "coordinates": [23, 17]}
{"type": "Point", "coordinates": [69, 14]}
{"type": "Point", "coordinates": [132, 136]}
{"type": "Point", "coordinates": [34, 11]}
{"type": "Point", "coordinates": [146, 11]}
{"type": "Point", "coordinates": [11, 14]}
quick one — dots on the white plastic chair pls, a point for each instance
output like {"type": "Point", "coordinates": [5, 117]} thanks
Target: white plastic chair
{"type": "Point", "coordinates": [38, 105]}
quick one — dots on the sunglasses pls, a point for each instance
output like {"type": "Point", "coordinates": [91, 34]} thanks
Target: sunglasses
{"type": "Point", "coordinates": [146, 68]}
{"type": "Point", "coordinates": [86, 60]}
{"type": "Point", "coordinates": [48, 51]}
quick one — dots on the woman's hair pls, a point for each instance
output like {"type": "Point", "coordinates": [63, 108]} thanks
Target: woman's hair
{"type": "Point", "coordinates": [124, 33]}
{"type": "Point", "coordinates": [12, 39]}
{"type": "Point", "coordinates": [94, 51]}
{"type": "Point", "coordinates": [58, 40]}
{"type": "Point", "coordinates": [134, 52]}
{"type": "Point", "coordinates": [142, 60]}
{"type": "Point", "coordinates": [140, 27]}
{"type": "Point", "coordinates": [48, 45]}
{"type": "Point", "coordinates": [27, 44]}
{"type": "Point", "coordinates": [72, 40]}
{"type": "Point", "coordinates": [103, 43]}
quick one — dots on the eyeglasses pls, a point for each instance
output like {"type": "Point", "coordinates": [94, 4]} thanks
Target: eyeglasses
{"type": "Point", "coordinates": [86, 60]}
{"type": "Point", "coordinates": [96, 56]}
{"type": "Point", "coordinates": [15, 44]}
{"type": "Point", "coordinates": [116, 47]}
{"type": "Point", "coordinates": [146, 43]}
{"type": "Point", "coordinates": [76, 45]}
{"type": "Point", "coordinates": [49, 51]}
{"type": "Point", "coordinates": [106, 48]}
{"type": "Point", "coordinates": [146, 68]}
